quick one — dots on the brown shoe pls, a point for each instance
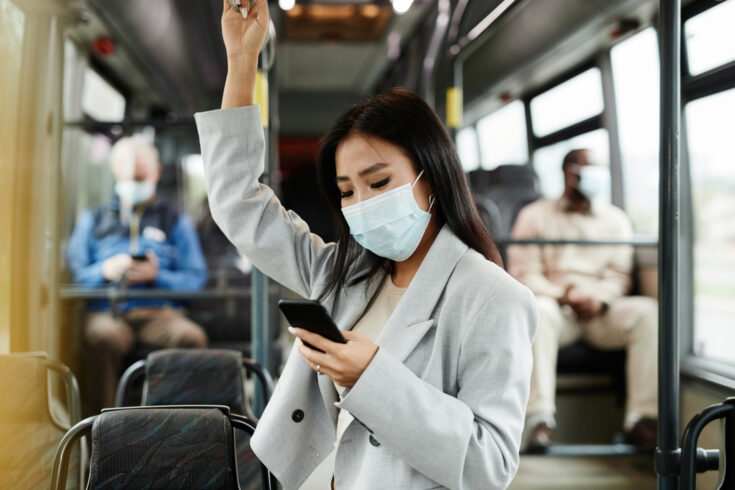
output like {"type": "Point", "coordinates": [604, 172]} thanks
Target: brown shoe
{"type": "Point", "coordinates": [643, 434]}
{"type": "Point", "coordinates": [542, 436]}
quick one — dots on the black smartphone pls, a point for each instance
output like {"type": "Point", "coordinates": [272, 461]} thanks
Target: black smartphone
{"type": "Point", "coordinates": [140, 257]}
{"type": "Point", "coordinates": [312, 316]}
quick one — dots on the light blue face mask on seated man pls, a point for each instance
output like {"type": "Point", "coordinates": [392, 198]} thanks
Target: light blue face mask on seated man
{"type": "Point", "coordinates": [390, 225]}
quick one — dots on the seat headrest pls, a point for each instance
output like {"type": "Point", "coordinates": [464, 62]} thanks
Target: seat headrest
{"type": "Point", "coordinates": [195, 376]}
{"type": "Point", "coordinates": [157, 447]}
{"type": "Point", "coordinates": [513, 176]}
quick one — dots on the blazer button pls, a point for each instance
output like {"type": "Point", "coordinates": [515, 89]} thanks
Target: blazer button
{"type": "Point", "coordinates": [297, 416]}
{"type": "Point", "coordinates": [373, 441]}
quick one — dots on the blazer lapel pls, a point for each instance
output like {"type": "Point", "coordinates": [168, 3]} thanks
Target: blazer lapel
{"type": "Point", "coordinates": [412, 318]}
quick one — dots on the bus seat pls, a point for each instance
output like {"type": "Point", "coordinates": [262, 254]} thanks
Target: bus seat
{"type": "Point", "coordinates": [30, 429]}
{"type": "Point", "coordinates": [580, 358]}
{"type": "Point", "coordinates": [489, 213]}
{"type": "Point", "coordinates": [198, 376]}
{"type": "Point", "coordinates": [510, 187]}
{"type": "Point", "coordinates": [162, 447]}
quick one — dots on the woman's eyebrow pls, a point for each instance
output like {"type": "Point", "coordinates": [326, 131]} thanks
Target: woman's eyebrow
{"type": "Point", "coordinates": [366, 171]}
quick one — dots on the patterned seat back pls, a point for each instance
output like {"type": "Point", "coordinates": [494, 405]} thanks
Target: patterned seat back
{"type": "Point", "coordinates": [195, 376]}
{"type": "Point", "coordinates": [203, 377]}
{"type": "Point", "coordinates": [162, 447]}
{"type": "Point", "coordinates": [29, 433]}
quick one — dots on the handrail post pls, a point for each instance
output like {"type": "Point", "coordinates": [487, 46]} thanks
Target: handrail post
{"type": "Point", "coordinates": [259, 283]}
{"type": "Point", "coordinates": [668, 339]}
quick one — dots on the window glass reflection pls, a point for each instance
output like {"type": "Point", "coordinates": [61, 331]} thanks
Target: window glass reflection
{"type": "Point", "coordinates": [573, 101]}
{"type": "Point", "coordinates": [502, 137]}
{"type": "Point", "coordinates": [711, 150]}
{"type": "Point", "coordinates": [467, 148]}
{"type": "Point", "coordinates": [636, 78]}
{"type": "Point", "coordinates": [710, 38]}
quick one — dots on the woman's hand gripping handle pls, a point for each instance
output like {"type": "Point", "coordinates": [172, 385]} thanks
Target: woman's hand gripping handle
{"type": "Point", "coordinates": [243, 33]}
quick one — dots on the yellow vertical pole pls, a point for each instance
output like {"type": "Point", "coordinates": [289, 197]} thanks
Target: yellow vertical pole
{"type": "Point", "coordinates": [454, 107]}
{"type": "Point", "coordinates": [261, 96]}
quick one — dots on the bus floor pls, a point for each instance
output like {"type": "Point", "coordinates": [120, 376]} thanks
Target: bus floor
{"type": "Point", "coordinates": [585, 472]}
{"type": "Point", "coordinates": [586, 420]}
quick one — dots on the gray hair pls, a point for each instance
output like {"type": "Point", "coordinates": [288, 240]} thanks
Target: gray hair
{"type": "Point", "coordinates": [126, 150]}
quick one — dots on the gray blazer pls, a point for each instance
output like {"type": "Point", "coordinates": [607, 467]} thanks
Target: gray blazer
{"type": "Point", "coordinates": [441, 404]}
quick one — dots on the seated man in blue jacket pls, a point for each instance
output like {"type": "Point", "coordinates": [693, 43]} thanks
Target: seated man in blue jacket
{"type": "Point", "coordinates": [135, 241]}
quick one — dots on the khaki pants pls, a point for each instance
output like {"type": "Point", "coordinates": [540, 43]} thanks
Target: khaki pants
{"type": "Point", "coordinates": [630, 323]}
{"type": "Point", "coordinates": [111, 338]}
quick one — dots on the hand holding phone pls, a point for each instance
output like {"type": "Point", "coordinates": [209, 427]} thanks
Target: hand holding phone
{"type": "Point", "coordinates": [311, 316]}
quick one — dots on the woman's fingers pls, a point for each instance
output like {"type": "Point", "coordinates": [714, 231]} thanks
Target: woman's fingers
{"type": "Point", "coordinates": [260, 6]}
{"type": "Point", "coordinates": [350, 335]}
{"type": "Point", "coordinates": [314, 359]}
{"type": "Point", "coordinates": [313, 339]}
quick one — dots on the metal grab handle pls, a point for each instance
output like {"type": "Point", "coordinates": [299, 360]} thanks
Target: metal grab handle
{"type": "Point", "coordinates": [690, 452]}
{"type": "Point", "coordinates": [61, 461]}
{"type": "Point", "coordinates": [243, 423]}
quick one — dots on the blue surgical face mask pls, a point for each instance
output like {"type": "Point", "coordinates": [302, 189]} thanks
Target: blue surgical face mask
{"type": "Point", "coordinates": [594, 180]}
{"type": "Point", "coordinates": [133, 192]}
{"type": "Point", "coordinates": [390, 225]}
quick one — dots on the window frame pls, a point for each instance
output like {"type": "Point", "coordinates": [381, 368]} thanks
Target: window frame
{"type": "Point", "coordinates": [606, 119]}
{"type": "Point", "coordinates": [475, 126]}
{"type": "Point", "coordinates": [711, 371]}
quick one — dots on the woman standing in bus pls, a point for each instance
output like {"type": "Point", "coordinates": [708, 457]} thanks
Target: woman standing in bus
{"type": "Point", "coordinates": [431, 387]}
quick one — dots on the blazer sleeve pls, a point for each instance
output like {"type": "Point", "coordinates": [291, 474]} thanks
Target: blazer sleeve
{"type": "Point", "coordinates": [472, 440]}
{"type": "Point", "coordinates": [275, 240]}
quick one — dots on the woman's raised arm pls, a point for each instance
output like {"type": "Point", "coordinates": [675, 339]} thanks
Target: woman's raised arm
{"type": "Point", "coordinates": [277, 241]}
{"type": "Point", "coordinates": [243, 33]}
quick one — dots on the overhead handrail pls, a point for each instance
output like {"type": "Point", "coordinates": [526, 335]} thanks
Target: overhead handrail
{"type": "Point", "coordinates": [462, 45]}
{"type": "Point", "coordinates": [560, 242]}
{"type": "Point", "coordinates": [432, 53]}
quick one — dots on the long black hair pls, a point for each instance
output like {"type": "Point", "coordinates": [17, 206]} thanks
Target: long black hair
{"type": "Point", "coordinates": [402, 118]}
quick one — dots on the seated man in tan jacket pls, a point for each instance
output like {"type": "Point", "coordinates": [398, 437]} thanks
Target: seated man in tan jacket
{"type": "Point", "coordinates": [580, 292]}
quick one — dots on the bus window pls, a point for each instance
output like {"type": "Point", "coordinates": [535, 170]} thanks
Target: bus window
{"type": "Point", "coordinates": [711, 150]}
{"type": "Point", "coordinates": [195, 185]}
{"type": "Point", "coordinates": [710, 39]}
{"type": "Point", "coordinates": [503, 137]}
{"type": "Point", "coordinates": [570, 102]}
{"type": "Point", "coordinates": [635, 72]}
{"type": "Point", "coordinates": [467, 148]}
{"type": "Point", "coordinates": [547, 160]}
{"type": "Point", "coordinates": [100, 101]}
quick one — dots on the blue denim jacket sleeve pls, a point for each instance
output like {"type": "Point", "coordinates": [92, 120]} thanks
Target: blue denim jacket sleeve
{"type": "Point", "coordinates": [190, 269]}
{"type": "Point", "coordinates": [85, 270]}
